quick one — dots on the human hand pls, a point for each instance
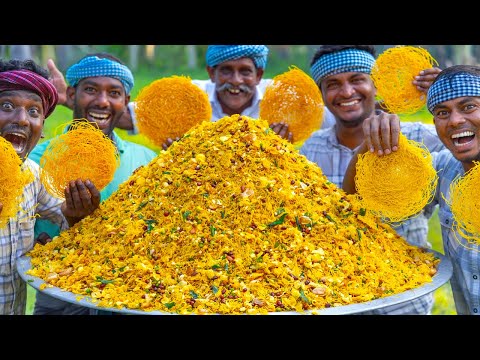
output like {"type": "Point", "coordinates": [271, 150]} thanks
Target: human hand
{"type": "Point", "coordinates": [169, 142]}
{"type": "Point", "coordinates": [281, 129]}
{"type": "Point", "coordinates": [424, 79]}
{"type": "Point", "coordinates": [381, 132]}
{"type": "Point", "coordinates": [81, 199]}
{"type": "Point", "coordinates": [43, 238]}
{"type": "Point", "coordinates": [58, 80]}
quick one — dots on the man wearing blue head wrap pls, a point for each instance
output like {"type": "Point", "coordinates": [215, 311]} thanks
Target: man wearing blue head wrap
{"type": "Point", "coordinates": [454, 101]}
{"type": "Point", "coordinates": [99, 91]}
{"type": "Point", "coordinates": [236, 85]}
{"type": "Point", "coordinates": [342, 73]}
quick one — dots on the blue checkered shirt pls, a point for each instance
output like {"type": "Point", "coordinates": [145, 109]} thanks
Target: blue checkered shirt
{"type": "Point", "coordinates": [16, 239]}
{"type": "Point", "coordinates": [465, 280]}
{"type": "Point", "coordinates": [333, 158]}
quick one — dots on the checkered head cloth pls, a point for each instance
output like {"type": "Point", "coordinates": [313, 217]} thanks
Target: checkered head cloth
{"type": "Point", "coordinates": [92, 66]}
{"type": "Point", "coordinates": [31, 81]}
{"type": "Point", "coordinates": [452, 86]}
{"type": "Point", "coordinates": [348, 60]}
{"type": "Point", "coordinates": [217, 54]}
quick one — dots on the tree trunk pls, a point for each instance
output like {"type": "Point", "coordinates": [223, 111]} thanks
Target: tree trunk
{"type": "Point", "coordinates": [133, 51]}
{"type": "Point", "coordinates": [191, 56]}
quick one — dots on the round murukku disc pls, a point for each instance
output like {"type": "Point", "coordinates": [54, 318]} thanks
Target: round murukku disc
{"type": "Point", "coordinates": [12, 181]}
{"type": "Point", "coordinates": [293, 98]}
{"type": "Point", "coordinates": [83, 152]}
{"type": "Point", "coordinates": [169, 107]}
{"type": "Point", "coordinates": [397, 186]}
{"type": "Point", "coordinates": [393, 73]}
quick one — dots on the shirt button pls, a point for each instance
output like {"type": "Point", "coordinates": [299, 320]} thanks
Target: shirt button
{"type": "Point", "coordinates": [446, 221]}
{"type": "Point", "coordinates": [475, 310]}
{"type": "Point", "coordinates": [475, 277]}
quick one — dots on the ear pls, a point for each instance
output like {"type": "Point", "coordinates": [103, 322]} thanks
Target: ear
{"type": "Point", "coordinates": [211, 73]}
{"type": "Point", "coordinates": [260, 73]}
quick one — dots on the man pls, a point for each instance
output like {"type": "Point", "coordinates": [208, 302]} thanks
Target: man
{"type": "Point", "coordinates": [27, 98]}
{"type": "Point", "coordinates": [236, 86]}
{"type": "Point", "coordinates": [342, 73]}
{"type": "Point", "coordinates": [99, 91]}
{"type": "Point", "coordinates": [454, 101]}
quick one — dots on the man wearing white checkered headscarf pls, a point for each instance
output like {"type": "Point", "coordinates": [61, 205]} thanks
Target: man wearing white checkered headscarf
{"type": "Point", "coordinates": [342, 72]}
{"type": "Point", "coordinates": [454, 101]}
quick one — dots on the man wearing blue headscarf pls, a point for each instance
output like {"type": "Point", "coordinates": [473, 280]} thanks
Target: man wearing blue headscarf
{"type": "Point", "coordinates": [454, 101]}
{"type": "Point", "coordinates": [342, 72]}
{"type": "Point", "coordinates": [99, 91]}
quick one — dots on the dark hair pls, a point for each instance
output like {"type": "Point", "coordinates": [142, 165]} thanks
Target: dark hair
{"type": "Point", "coordinates": [16, 64]}
{"type": "Point", "coordinates": [104, 55]}
{"type": "Point", "coordinates": [328, 49]}
{"type": "Point", "coordinates": [451, 71]}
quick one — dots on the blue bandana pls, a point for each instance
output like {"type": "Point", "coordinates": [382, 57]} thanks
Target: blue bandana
{"type": "Point", "coordinates": [92, 66]}
{"type": "Point", "coordinates": [348, 60]}
{"type": "Point", "coordinates": [451, 87]}
{"type": "Point", "coordinates": [217, 54]}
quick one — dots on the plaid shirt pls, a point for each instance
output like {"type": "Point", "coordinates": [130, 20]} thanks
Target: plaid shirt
{"type": "Point", "coordinates": [465, 281]}
{"type": "Point", "coordinates": [16, 239]}
{"type": "Point", "coordinates": [333, 158]}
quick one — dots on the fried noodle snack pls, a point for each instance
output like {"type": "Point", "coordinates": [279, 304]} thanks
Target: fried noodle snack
{"type": "Point", "coordinates": [83, 152]}
{"type": "Point", "coordinates": [393, 73]}
{"type": "Point", "coordinates": [293, 98]}
{"type": "Point", "coordinates": [397, 186]}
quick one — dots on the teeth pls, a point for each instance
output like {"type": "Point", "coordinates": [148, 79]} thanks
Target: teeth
{"type": "Point", "coordinates": [463, 134]}
{"type": "Point", "coordinates": [99, 116]}
{"type": "Point", "coordinates": [350, 103]}
{"type": "Point", "coordinates": [19, 135]}
{"type": "Point", "coordinates": [234, 91]}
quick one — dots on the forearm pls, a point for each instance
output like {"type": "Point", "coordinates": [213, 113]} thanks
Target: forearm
{"type": "Point", "coordinates": [349, 178]}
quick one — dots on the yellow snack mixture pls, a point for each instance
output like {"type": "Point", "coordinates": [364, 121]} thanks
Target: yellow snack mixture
{"type": "Point", "coordinates": [231, 219]}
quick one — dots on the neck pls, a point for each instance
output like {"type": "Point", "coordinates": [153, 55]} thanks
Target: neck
{"type": "Point", "coordinates": [349, 137]}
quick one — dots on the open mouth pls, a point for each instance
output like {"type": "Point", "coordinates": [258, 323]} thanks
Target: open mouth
{"type": "Point", "coordinates": [463, 138]}
{"type": "Point", "coordinates": [102, 120]}
{"type": "Point", "coordinates": [18, 141]}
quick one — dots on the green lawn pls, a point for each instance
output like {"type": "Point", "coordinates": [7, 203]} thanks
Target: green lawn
{"type": "Point", "coordinates": [54, 124]}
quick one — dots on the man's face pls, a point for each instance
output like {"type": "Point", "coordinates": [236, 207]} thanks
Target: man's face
{"type": "Point", "coordinates": [350, 97]}
{"type": "Point", "coordinates": [458, 126]}
{"type": "Point", "coordinates": [99, 99]}
{"type": "Point", "coordinates": [235, 83]}
{"type": "Point", "coordinates": [21, 119]}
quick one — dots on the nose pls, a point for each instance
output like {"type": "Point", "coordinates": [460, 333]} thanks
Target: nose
{"type": "Point", "coordinates": [236, 78]}
{"type": "Point", "coordinates": [456, 118]}
{"type": "Point", "coordinates": [347, 90]}
{"type": "Point", "coordinates": [102, 98]}
{"type": "Point", "coordinates": [22, 117]}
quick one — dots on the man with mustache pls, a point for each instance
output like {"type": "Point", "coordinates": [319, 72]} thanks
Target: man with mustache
{"type": "Point", "coordinates": [27, 98]}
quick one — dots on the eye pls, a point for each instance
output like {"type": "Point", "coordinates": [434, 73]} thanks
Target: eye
{"type": "Point", "coordinates": [34, 111]}
{"type": "Point", "coordinates": [7, 105]}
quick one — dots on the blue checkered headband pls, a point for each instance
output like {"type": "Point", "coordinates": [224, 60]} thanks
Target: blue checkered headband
{"type": "Point", "coordinates": [452, 87]}
{"type": "Point", "coordinates": [348, 60]}
{"type": "Point", "coordinates": [217, 54]}
{"type": "Point", "coordinates": [92, 66]}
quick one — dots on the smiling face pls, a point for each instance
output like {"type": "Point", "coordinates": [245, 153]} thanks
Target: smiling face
{"type": "Point", "coordinates": [350, 96]}
{"type": "Point", "coordinates": [21, 119]}
{"type": "Point", "coordinates": [458, 126]}
{"type": "Point", "coordinates": [99, 99]}
{"type": "Point", "coordinates": [235, 83]}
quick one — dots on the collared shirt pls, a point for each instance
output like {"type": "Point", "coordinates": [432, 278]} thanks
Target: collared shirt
{"type": "Point", "coordinates": [465, 257]}
{"type": "Point", "coordinates": [217, 113]}
{"type": "Point", "coordinates": [333, 158]}
{"type": "Point", "coordinates": [17, 238]}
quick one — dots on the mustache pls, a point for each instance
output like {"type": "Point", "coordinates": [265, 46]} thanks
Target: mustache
{"type": "Point", "coordinates": [11, 128]}
{"type": "Point", "coordinates": [228, 86]}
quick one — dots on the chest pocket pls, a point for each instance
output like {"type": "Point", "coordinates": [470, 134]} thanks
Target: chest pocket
{"type": "Point", "coordinates": [26, 224]}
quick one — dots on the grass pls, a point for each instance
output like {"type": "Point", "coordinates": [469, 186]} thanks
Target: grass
{"type": "Point", "coordinates": [443, 304]}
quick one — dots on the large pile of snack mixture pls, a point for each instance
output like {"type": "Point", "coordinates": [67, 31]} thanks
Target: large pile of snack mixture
{"type": "Point", "coordinates": [231, 219]}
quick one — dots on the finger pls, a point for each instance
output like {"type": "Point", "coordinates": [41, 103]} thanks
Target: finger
{"type": "Point", "coordinates": [385, 131]}
{"type": "Point", "coordinates": [395, 132]}
{"type": "Point", "coordinates": [69, 203]}
{"type": "Point", "coordinates": [82, 196]}
{"type": "Point", "coordinates": [1, 207]}
{"type": "Point", "coordinates": [94, 194]}
{"type": "Point", "coordinates": [290, 137]}
{"type": "Point", "coordinates": [375, 134]}
{"type": "Point", "coordinates": [366, 135]}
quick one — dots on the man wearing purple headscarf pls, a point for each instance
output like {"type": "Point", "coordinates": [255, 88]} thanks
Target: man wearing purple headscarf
{"type": "Point", "coordinates": [27, 98]}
